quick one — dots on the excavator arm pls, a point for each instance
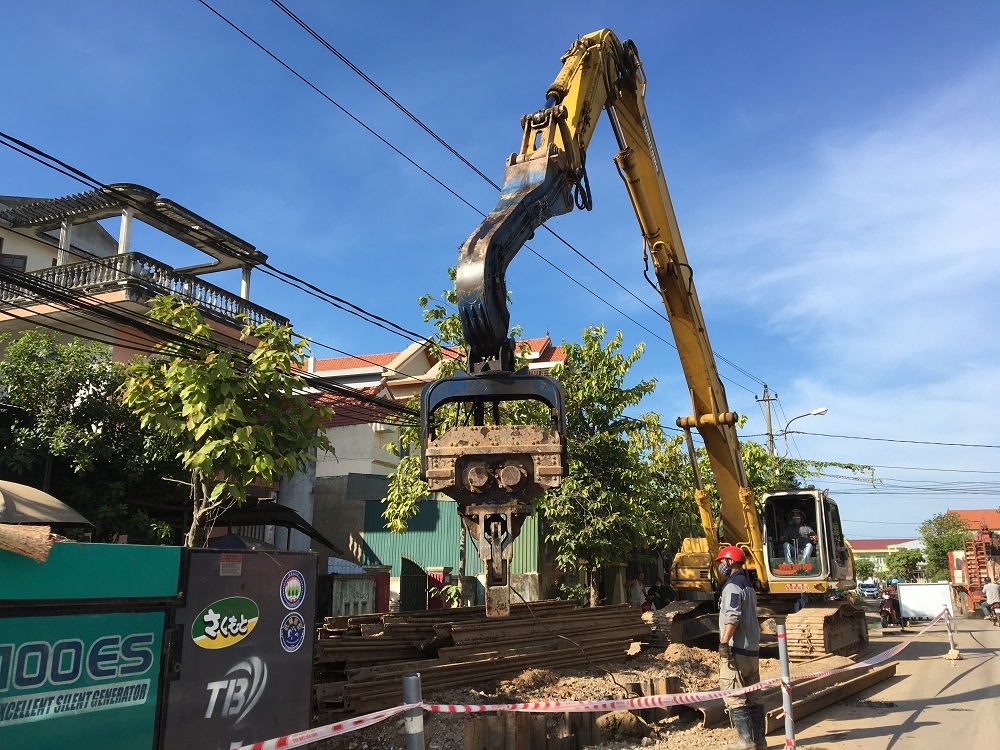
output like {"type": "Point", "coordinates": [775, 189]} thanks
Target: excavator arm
{"type": "Point", "coordinates": [547, 178]}
{"type": "Point", "coordinates": [494, 471]}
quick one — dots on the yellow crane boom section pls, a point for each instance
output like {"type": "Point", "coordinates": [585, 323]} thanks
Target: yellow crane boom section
{"type": "Point", "coordinates": [599, 72]}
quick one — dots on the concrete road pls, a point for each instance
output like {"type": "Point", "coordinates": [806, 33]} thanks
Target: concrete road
{"type": "Point", "coordinates": [930, 703]}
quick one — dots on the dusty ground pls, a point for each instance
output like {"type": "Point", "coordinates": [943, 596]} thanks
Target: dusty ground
{"type": "Point", "coordinates": [696, 668]}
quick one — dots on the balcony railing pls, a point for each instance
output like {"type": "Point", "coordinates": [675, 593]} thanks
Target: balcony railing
{"type": "Point", "coordinates": [141, 278]}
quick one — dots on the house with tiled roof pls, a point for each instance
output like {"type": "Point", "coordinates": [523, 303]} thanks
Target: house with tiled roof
{"type": "Point", "coordinates": [877, 550]}
{"type": "Point", "coordinates": [57, 261]}
{"type": "Point", "coordinates": [976, 520]}
{"type": "Point", "coordinates": [70, 264]}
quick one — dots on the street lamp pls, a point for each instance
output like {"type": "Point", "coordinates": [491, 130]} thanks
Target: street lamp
{"type": "Point", "coordinates": [814, 413]}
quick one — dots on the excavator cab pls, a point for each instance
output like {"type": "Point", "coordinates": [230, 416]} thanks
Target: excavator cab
{"type": "Point", "coordinates": [804, 537]}
{"type": "Point", "coordinates": [493, 471]}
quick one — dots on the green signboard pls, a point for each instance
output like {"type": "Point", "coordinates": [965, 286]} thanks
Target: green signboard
{"type": "Point", "coordinates": [81, 680]}
{"type": "Point", "coordinates": [91, 571]}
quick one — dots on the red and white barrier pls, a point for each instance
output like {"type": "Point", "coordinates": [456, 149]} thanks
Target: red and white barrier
{"type": "Point", "coordinates": [330, 730]}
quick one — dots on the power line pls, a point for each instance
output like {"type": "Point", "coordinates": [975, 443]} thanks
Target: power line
{"type": "Point", "coordinates": [924, 468]}
{"type": "Point", "coordinates": [140, 343]}
{"type": "Point", "coordinates": [188, 345]}
{"type": "Point", "coordinates": [465, 161]}
{"type": "Point", "coordinates": [342, 304]}
{"type": "Point", "coordinates": [895, 440]}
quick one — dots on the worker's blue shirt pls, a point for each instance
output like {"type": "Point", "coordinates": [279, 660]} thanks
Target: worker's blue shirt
{"type": "Point", "coordinates": [738, 606]}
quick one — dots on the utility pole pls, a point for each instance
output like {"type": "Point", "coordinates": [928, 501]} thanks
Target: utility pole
{"type": "Point", "coordinates": [767, 399]}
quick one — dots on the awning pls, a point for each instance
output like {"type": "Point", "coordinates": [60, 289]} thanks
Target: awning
{"type": "Point", "coordinates": [20, 503]}
{"type": "Point", "coordinates": [250, 513]}
{"type": "Point", "coordinates": [276, 514]}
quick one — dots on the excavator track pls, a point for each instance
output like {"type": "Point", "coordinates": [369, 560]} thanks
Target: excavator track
{"type": "Point", "coordinates": [816, 631]}
{"type": "Point", "coordinates": [690, 622]}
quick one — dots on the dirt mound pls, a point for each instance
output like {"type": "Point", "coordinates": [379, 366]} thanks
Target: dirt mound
{"type": "Point", "coordinates": [531, 679]}
{"type": "Point", "coordinates": [696, 669]}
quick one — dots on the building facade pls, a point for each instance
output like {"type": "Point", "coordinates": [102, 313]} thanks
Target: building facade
{"type": "Point", "coordinates": [877, 550]}
{"type": "Point", "coordinates": [61, 267]}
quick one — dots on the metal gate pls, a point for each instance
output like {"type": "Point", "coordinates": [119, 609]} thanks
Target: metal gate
{"type": "Point", "coordinates": [412, 587]}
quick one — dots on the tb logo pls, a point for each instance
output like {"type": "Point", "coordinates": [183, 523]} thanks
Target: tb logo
{"type": "Point", "coordinates": [239, 691]}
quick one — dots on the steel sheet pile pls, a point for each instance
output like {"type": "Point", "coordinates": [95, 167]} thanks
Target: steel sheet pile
{"type": "Point", "coordinates": [361, 660]}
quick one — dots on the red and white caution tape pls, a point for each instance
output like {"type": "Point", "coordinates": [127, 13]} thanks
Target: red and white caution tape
{"type": "Point", "coordinates": [330, 730]}
{"type": "Point", "coordinates": [624, 704]}
{"type": "Point", "coordinates": [651, 701]}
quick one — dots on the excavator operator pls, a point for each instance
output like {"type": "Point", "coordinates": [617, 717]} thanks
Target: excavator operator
{"type": "Point", "coordinates": [798, 537]}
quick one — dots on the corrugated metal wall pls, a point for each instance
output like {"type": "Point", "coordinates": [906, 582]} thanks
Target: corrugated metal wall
{"type": "Point", "coordinates": [432, 540]}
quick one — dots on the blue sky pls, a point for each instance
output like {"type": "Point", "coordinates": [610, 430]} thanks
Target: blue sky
{"type": "Point", "coordinates": [835, 169]}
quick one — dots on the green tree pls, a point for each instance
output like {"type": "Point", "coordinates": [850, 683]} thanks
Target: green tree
{"type": "Point", "coordinates": [670, 487]}
{"type": "Point", "coordinates": [605, 508]}
{"type": "Point", "coordinates": [942, 534]}
{"type": "Point", "coordinates": [903, 563]}
{"type": "Point", "coordinates": [64, 426]}
{"type": "Point", "coordinates": [236, 416]}
{"type": "Point", "coordinates": [863, 568]}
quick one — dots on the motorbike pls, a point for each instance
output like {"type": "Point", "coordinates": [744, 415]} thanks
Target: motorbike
{"type": "Point", "coordinates": [995, 614]}
{"type": "Point", "coordinates": [888, 610]}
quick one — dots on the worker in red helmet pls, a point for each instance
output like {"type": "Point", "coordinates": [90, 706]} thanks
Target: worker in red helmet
{"type": "Point", "coordinates": [739, 647]}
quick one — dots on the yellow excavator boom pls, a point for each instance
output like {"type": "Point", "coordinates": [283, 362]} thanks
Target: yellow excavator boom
{"type": "Point", "coordinates": [546, 178]}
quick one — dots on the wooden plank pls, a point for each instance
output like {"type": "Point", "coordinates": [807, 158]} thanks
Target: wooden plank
{"type": "Point", "coordinates": [484, 733]}
{"type": "Point", "coordinates": [714, 711]}
{"type": "Point", "coordinates": [539, 738]}
{"type": "Point", "coordinates": [562, 743]}
{"type": "Point", "coordinates": [518, 728]}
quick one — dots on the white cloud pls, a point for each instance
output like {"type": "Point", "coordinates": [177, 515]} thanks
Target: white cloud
{"type": "Point", "coordinates": [885, 251]}
{"type": "Point", "coordinates": [875, 273]}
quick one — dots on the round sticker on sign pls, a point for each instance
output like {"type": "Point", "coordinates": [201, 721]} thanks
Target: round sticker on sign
{"type": "Point", "coordinates": [293, 589]}
{"type": "Point", "coordinates": [293, 632]}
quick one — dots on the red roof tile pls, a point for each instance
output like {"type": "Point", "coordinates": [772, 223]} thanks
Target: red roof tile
{"type": "Point", "coordinates": [537, 345]}
{"type": "Point", "coordinates": [875, 545]}
{"type": "Point", "coordinates": [975, 518]}
{"type": "Point", "coordinates": [355, 363]}
{"type": "Point", "coordinates": [552, 354]}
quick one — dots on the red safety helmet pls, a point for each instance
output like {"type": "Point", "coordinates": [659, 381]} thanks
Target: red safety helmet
{"type": "Point", "coordinates": [735, 554]}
